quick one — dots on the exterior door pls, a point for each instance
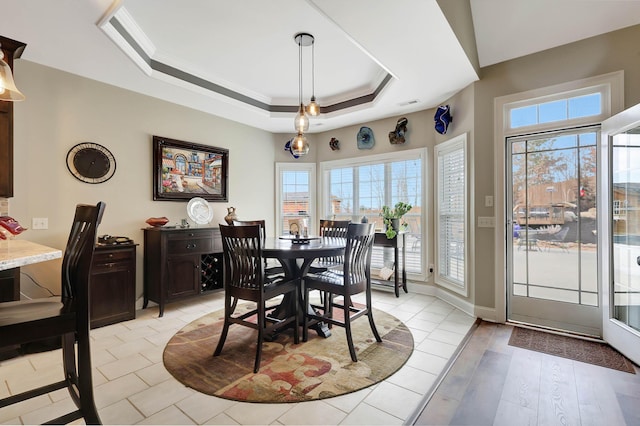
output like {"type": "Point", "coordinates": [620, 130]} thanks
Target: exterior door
{"type": "Point", "coordinates": [552, 246]}
{"type": "Point", "coordinates": [621, 263]}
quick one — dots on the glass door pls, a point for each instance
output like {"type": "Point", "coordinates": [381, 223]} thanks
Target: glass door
{"type": "Point", "coordinates": [621, 265]}
{"type": "Point", "coordinates": [552, 245]}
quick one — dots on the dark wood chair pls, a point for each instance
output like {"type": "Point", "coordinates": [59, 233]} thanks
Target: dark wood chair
{"type": "Point", "coordinates": [272, 270]}
{"type": "Point", "coordinates": [66, 318]}
{"type": "Point", "coordinates": [244, 279]}
{"type": "Point", "coordinates": [330, 229]}
{"type": "Point", "coordinates": [354, 278]}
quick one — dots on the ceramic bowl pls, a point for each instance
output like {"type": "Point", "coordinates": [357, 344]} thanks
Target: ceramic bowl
{"type": "Point", "coordinates": [157, 221]}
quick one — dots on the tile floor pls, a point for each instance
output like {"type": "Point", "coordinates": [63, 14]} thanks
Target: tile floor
{"type": "Point", "coordinates": [133, 387]}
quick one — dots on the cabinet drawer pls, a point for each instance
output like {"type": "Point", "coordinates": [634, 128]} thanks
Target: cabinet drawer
{"type": "Point", "coordinates": [112, 256]}
{"type": "Point", "coordinates": [190, 245]}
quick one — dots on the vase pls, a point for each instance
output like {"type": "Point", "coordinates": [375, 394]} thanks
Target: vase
{"type": "Point", "coordinates": [231, 215]}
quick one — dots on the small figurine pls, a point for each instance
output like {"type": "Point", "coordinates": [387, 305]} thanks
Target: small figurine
{"type": "Point", "coordinates": [442, 119]}
{"type": "Point", "coordinates": [397, 136]}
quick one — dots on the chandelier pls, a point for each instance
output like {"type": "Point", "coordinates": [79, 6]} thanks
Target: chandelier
{"type": "Point", "coordinates": [299, 145]}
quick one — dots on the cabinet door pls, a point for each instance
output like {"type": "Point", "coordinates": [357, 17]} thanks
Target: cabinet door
{"type": "Point", "coordinates": [112, 295]}
{"type": "Point", "coordinates": [183, 275]}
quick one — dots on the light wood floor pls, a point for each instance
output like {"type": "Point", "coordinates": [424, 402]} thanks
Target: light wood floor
{"type": "Point", "coordinates": [492, 383]}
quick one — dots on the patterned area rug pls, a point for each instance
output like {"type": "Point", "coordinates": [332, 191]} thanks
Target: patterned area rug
{"type": "Point", "coordinates": [316, 369]}
{"type": "Point", "coordinates": [569, 347]}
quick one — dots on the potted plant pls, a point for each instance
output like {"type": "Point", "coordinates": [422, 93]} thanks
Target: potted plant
{"type": "Point", "coordinates": [391, 217]}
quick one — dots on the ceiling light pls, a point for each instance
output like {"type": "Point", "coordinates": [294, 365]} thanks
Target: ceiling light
{"type": "Point", "coordinates": [8, 89]}
{"type": "Point", "coordinates": [313, 108]}
{"type": "Point", "coordinates": [300, 146]}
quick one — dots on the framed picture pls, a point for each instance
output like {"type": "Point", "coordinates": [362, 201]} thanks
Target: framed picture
{"type": "Point", "coordinates": [183, 170]}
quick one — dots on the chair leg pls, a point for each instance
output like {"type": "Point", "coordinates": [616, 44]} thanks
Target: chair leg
{"type": "Point", "coordinates": [296, 322]}
{"type": "Point", "coordinates": [305, 318]}
{"type": "Point", "coordinates": [223, 337]}
{"type": "Point", "coordinates": [374, 330]}
{"type": "Point", "coordinates": [85, 381]}
{"type": "Point", "coordinates": [347, 331]}
{"type": "Point", "coordinates": [261, 326]}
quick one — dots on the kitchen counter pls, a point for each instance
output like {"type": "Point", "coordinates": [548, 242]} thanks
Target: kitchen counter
{"type": "Point", "coordinates": [16, 253]}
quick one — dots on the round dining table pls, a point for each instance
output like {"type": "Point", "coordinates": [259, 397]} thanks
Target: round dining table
{"type": "Point", "coordinates": [296, 254]}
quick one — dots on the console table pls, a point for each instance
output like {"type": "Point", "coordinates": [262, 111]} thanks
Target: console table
{"type": "Point", "coordinates": [181, 262]}
{"type": "Point", "coordinates": [399, 273]}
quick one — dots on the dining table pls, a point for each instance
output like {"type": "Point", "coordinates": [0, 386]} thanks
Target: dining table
{"type": "Point", "coordinates": [296, 254]}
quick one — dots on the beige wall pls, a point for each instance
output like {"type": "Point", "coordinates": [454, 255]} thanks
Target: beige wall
{"type": "Point", "coordinates": [610, 52]}
{"type": "Point", "coordinates": [62, 110]}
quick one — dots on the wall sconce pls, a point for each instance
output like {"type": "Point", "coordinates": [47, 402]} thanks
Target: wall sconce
{"type": "Point", "coordinates": [8, 89]}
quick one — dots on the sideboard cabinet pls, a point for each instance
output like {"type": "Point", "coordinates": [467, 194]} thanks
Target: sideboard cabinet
{"type": "Point", "coordinates": [113, 284]}
{"type": "Point", "coordinates": [180, 262]}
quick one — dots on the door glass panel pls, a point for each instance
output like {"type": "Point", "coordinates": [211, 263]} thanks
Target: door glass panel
{"type": "Point", "coordinates": [626, 228]}
{"type": "Point", "coordinates": [554, 246]}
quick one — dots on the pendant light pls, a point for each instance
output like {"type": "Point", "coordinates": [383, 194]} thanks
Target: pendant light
{"type": "Point", "coordinates": [313, 108]}
{"type": "Point", "coordinates": [8, 89]}
{"type": "Point", "coordinates": [300, 146]}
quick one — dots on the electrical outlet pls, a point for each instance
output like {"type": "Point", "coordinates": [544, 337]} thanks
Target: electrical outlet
{"type": "Point", "coordinates": [486, 222]}
{"type": "Point", "coordinates": [40, 223]}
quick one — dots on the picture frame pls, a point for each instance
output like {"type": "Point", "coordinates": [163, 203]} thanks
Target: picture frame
{"type": "Point", "coordinates": [183, 170]}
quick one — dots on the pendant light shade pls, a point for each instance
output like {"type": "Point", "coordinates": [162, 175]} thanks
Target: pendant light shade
{"type": "Point", "coordinates": [299, 145]}
{"type": "Point", "coordinates": [313, 108]}
{"type": "Point", "coordinates": [8, 89]}
{"type": "Point", "coordinates": [302, 121]}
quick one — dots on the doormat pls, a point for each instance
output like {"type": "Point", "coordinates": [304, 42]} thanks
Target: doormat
{"type": "Point", "coordinates": [581, 350]}
{"type": "Point", "coordinates": [316, 369]}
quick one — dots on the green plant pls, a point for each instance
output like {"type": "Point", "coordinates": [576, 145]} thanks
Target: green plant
{"type": "Point", "coordinates": [388, 213]}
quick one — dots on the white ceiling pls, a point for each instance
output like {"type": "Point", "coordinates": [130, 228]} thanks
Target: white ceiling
{"type": "Point", "coordinates": [238, 59]}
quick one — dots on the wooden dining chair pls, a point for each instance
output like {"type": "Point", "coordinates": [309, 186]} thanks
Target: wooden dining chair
{"type": "Point", "coordinates": [66, 318]}
{"type": "Point", "coordinates": [244, 279]}
{"type": "Point", "coordinates": [270, 270]}
{"type": "Point", "coordinates": [354, 278]}
{"type": "Point", "coordinates": [330, 229]}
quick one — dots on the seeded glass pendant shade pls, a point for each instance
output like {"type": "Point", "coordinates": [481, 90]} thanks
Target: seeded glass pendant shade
{"type": "Point", "coordinates": [301, 123]}
{"type": "Point", "coordinates": [299, 145]}
{"type": "Point", "coordinates": [8, 89]}
{"type": "Point", "coordinates": [313, 108]}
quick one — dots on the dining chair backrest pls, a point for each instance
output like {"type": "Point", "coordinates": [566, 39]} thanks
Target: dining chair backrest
{"type": "Point", "coordinates": [260, 222]}
{"type": "Point", "coordinates": [243, 260]}
{"type": "Point", "coordinates": [333, 229]}
{"type": "Point", "coordinates": [357, 255]}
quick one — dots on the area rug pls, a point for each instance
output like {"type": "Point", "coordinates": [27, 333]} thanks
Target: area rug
{"type": "Point", "coordinates": [317, 369]}
{"type": "Point", "coordinates": [581, 350]}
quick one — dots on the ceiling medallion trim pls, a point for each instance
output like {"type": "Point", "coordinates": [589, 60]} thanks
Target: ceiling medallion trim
{"type": "Point", "coordinates": [118, 32]}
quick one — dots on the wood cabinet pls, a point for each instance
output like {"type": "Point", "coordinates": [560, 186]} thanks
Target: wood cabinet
{"type": "Point", "coordinates": [113, 284]}
{"type": "Point", "coordinates": [181, 262]}
{"type": "Point", "coordinates": [12, 50]}
{"type": "Point", "coordinates": [399, 275]}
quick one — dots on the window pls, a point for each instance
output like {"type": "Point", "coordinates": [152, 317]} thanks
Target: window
{"type": "Point", "coordinates": [295, 195]}
{"type": "Point", "coordinates": [451, 214]}
{"type": "Point", "coordinates": [359, 187]}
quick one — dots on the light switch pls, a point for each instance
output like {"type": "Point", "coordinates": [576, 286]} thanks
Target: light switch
{"type": "Point", "coordinates": [488, 200]}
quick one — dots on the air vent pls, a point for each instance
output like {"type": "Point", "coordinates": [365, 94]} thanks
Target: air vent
{"type": "Point", "coordinates": [412, 102]}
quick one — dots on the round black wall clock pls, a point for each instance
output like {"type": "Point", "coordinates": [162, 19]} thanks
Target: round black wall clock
{"type": "Point", "coordinates": [91, 162]}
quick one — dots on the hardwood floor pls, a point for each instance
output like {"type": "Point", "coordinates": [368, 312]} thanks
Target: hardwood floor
{"type": "Point", "coordinates": [492, 383]}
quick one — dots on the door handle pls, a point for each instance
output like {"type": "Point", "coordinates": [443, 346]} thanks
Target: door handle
{"type": "Point", "coordinates": [638, 260]}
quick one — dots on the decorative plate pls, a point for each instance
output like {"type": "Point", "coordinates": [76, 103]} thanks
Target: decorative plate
{"type": "Point", "coordinates": [199, 211]}
{"type": "Point", "coordinates": [365, 138]}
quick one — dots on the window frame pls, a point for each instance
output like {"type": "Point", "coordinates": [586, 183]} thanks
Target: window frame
{"type": "Point", "coordinates": [310, 168]}
{"type": "Point", "coordinates": [451, 146]}
{"type": "Point", "coordinates": [409, 154]}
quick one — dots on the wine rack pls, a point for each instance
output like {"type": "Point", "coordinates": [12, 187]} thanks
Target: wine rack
{"type": "Point", "coordinates": [211, 267]}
